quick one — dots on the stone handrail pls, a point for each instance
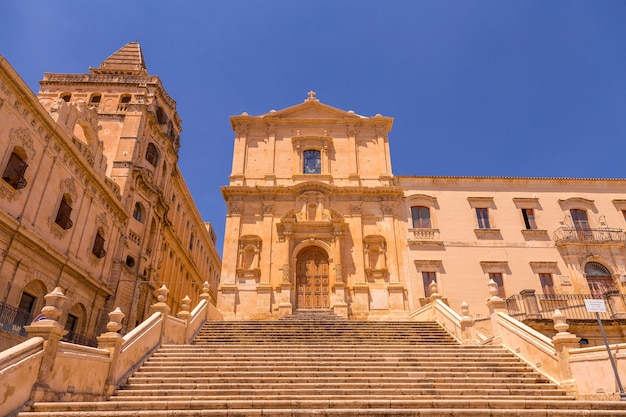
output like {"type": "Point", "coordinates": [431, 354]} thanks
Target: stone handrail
{"type": "Point", "coordinates": [448, 319]}
{"type": "Point", "coordinates": [589, 361]}
{"type": "Point", "coordinates": [197, 319]}
{"type": "Point", "coordinates": [44, 368]}
{"type": "Point", "coordinates": [533, 347]}
{"type": "Point", "coordinates": [16, 373]}
{"type": "Point", "coordinates": [138, 344]}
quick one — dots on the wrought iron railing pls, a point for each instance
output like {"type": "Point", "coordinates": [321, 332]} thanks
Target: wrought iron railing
{"type": "Point", "coordinates": [78, 339]}
{"type": "Point", "coordinates": [13, 319]}
{"type": "Point", "coordinates": [564, 235]}
{"type": "Point", "coordinates": [573, 305]}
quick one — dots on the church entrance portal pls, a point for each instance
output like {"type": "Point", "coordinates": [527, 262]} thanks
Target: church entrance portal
{"type": "Point", "coordinates": [312, 279]}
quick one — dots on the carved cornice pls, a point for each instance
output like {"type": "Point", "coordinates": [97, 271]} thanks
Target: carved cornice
{"type": "Point", "coordinates": [268, 192]}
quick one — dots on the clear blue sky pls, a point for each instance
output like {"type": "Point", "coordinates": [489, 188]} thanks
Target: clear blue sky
{"type": "Point", "coordinates": [481, 87]}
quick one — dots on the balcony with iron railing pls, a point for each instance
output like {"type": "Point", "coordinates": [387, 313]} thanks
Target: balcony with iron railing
{"type": "Point", "coordinates": [14, 320]}
{"type": "Point", "coordinates": [530, 306]}
{"type": "Point", "coordinates": [568, 235]}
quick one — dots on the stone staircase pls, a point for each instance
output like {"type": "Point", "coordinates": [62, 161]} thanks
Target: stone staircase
{"type": "Point", "coordinates": [312, 364]}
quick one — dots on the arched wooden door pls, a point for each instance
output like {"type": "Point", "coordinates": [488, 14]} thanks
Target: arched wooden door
{"type": "Point", "coordinates": [312, 284]}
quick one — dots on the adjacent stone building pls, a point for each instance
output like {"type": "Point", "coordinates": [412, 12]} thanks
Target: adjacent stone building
{"type": "Point", "coordinates": [91, 198]}
{"type": "Point", "coordinates": [317, 220]}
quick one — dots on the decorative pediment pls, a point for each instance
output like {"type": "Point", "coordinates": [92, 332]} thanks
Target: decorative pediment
{"type": "Point", "coordinates": [311, 109]}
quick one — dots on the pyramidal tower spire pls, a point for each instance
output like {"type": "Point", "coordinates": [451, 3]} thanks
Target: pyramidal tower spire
{"type": "Point", "coordinates": [126, 60]}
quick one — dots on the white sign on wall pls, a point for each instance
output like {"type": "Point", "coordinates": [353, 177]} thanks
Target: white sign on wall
{"type": "Point", "coordinates": [595, 306]}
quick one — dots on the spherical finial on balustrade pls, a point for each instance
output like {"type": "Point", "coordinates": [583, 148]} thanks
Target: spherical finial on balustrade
{"type": "Point", "coordinates": [433, 287]}
{"type": "Point", "coordinates": [205, 295]}
{"type": "Point", "coordinates": [560, 321]}
{"type": "Point", "coordinates": [115, 320]}
{"type": "Point", "coordinates": [54, 303]}
{"type": "Point", "coordinates": [464, 309]}
{"type": "Point", "coordinates": [493, 288]}
{"type": "Point", "coordinates": [185, 303]}
{"type": "Point", "coordinates": [162, 294]}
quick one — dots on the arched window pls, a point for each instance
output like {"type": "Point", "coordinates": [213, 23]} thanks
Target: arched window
{"type": "Point", "coordinates": [94, 100]}
{"type": "Point", "coordinates": [16, 167]}
{"type": "Point", "coordinates": [66, 97]}
{"type": "Point", "coordinates": [138, 212]}
{"type": "Point", "coordinates": [421, 217]}
{"type": "Point", "coordinates": [161, 117]}
{"type": "Point", "coordinates": [98, 244]}
{"type": "Point", "coordinates": [312, 162]}
{"type": "Point", "coordinates": [125, 98]}
{"type": "Point", "coordinates": [599, 279]}
{"type": "Point", "coordinates": [152, 154]}
{"type": "Point", "coordinates": [64, 212]}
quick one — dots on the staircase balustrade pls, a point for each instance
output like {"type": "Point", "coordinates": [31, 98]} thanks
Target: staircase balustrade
{"type": "Point", "coordinates": [45, 368]}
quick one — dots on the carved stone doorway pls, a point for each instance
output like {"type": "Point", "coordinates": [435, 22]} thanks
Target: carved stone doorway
{"type": "Point", "coordinates": [312, 284]}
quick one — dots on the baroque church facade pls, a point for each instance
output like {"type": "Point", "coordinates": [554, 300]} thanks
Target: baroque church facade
{"type": "Point", "coordinates": [317, 220]}
{"type": "Point", "coordinates": [92, 200]}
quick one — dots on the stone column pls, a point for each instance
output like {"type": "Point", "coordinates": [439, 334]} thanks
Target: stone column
{"type": "Point", "coordinates": [112, 341]}
{"type": "Point", "coordinates": [185, 305]}
{"type": "Point", "coordinates": [47, 327]}
{"type": "Point", "coordinates": [563, 341]}
{"type": "Point", "coordinates": [285, 307]}
{"type": "Point", "coordinates": [161, 307]}
{"type": "Point", "coordinates": [468, 332]}
{"type": "Point", "coordinates": [495, 305]}
{"type": "Point", "coordinates": [616, 303]}
{"type": "Point", "coordinates": [530, 304]}
{"type": "Point", "coordinates": [339, 305]}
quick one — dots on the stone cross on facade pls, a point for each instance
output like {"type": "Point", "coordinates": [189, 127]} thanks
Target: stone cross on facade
{"type": "Point", "coordinates": [311, 95]}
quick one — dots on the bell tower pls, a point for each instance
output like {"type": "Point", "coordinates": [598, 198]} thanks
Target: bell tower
{"type": "Point", "coordinates": [139, 131]}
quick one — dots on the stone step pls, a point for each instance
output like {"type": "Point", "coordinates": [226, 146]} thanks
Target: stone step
{"type": "Point", "coordinates": [317, 365]}
{"type": "Point", "coordinates": [344, 412]}
{"type": "Point", "coordinates": [269, 396]}
{"type": "Point", "coordinates": [438, 382]}
{"type": "Point", "coordinates": [514, 406]}
{"type": "Point", "coordinates": [535, 391]}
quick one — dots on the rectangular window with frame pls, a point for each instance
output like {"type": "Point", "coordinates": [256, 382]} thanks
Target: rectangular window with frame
{"type": "Point", "coordinates": [427, 278]}
{"type": "Point", "coordinates": [497, 278]}
{"type": "Point", "coordinates": [529, 218]}
{"type": "Point", "coordinates": [421, 217]}
{"type": "Point", "coordinates": [547, 284]}
{"type": "Point", "coordinates": [14, 172]}
{"type": "Point", "coordinates": [63, 214]}
{"type": "Point", "coordinates": [98, 246]}
{"type": "Point", "coordinates": [482, 216]}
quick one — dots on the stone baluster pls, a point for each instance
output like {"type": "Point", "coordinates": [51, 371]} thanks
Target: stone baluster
{"type": "Point", "coordinates": [47, 326]}
{"type": "Point", "coordinates": [206, 292]}
{"type": "Point", "coordinates": [112, 341]}
{"type": "Point", "coordinates": [161, 304]}
{"type": "Point", "coordinates": [496, 305]}
{"type": "Point", "coordinates": [161, 307]}
{"type": "Point", "coordinates": [563, 341]}
{"type": "Point", "coordinates": [184, 313]}
{"type": "Point", "coordinates": [434, 295]}
{"type": "Point", "coordinates": [468, 332]}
